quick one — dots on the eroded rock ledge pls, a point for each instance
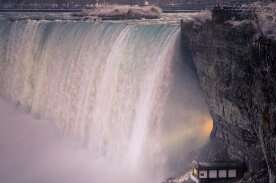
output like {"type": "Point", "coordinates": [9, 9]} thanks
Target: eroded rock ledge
{"type": "Point", "coordinates": [236, 66]}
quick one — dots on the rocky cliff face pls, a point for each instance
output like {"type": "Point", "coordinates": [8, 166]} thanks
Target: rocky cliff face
{"type": "Point", "coordinates": [236, 66]}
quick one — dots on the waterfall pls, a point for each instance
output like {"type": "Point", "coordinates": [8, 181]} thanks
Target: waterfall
{"type": "Point", "coordinates": [107, 84]}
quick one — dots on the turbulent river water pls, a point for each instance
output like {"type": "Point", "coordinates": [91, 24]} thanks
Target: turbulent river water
{"type": "Point", "coordinates": [125, 90]}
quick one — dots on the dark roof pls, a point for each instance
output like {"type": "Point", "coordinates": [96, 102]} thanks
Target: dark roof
{"type": "Point", "coordinates": [218, 164]}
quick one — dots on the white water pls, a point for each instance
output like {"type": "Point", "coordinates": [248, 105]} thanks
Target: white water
{"type": "Point", "coordinates": [106, 84]}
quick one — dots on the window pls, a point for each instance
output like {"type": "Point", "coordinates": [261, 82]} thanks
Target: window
{"type": "Point", "coordinates": [203, 174]}
{"type": "Point", "coordinates": [212, 174]}
{"type": "Point", "coordinates": [232, 173]}
{"type": "Point", "coordinates": [222, 173]}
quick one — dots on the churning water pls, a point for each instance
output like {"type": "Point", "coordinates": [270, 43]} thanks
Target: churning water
{"type": "Point", "coordinates": [124, 90]}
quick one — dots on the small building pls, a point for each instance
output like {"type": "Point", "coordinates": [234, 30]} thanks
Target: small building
{"type": "Point", "coordinates": [215, 171]}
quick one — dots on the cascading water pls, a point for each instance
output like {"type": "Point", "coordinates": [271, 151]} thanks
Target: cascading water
{"type": "Point", "coordinates": [108, 84]}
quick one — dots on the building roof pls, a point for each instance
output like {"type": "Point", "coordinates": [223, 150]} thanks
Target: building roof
{"type": "Point", "coordinates": [219, 164]}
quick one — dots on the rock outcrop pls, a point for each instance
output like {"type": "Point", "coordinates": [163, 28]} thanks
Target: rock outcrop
{"type": "Point", "coordinates": [236, 66]}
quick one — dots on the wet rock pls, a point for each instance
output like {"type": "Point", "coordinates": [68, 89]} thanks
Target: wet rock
{"type": "Point", "coordinates": [236, 64]}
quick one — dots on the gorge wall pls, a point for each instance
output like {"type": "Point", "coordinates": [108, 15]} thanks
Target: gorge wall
{"type": "Point", "coordinates": [235, 63]}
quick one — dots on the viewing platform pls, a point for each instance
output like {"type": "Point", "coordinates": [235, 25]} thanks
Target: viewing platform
{"type": "Point", "coordinates": [208, 172]}
{"type": "Point", "coordinates": [216, 171]}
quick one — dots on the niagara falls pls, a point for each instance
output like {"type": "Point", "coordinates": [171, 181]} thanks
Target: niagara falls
{"type": "Point", "coordinates": [137, 91]}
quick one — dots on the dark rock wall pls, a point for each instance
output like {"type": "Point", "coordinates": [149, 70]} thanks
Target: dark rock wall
{"type": "Point", "coordinates": [236, 68]}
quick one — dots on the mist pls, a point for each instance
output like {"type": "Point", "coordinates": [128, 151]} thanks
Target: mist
{"type": "Point", "coordinates": [186, 122]}
{"type": "Point", "coordinates": [35, 150]}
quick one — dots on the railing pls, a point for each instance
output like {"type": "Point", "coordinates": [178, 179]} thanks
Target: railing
{"type": "Point", "coordinates": [40, 10]}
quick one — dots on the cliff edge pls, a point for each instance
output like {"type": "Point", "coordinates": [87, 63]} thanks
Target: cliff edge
{"type": "Point", "coordinates": [235, 60]}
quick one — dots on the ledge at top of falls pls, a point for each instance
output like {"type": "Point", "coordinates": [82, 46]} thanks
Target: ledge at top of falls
{"type": "Point", "coordinates": [166, 18]}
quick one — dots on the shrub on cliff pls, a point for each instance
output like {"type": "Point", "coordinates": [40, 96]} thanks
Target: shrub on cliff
{"type": "Point", "coordinates": [124, 12]}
